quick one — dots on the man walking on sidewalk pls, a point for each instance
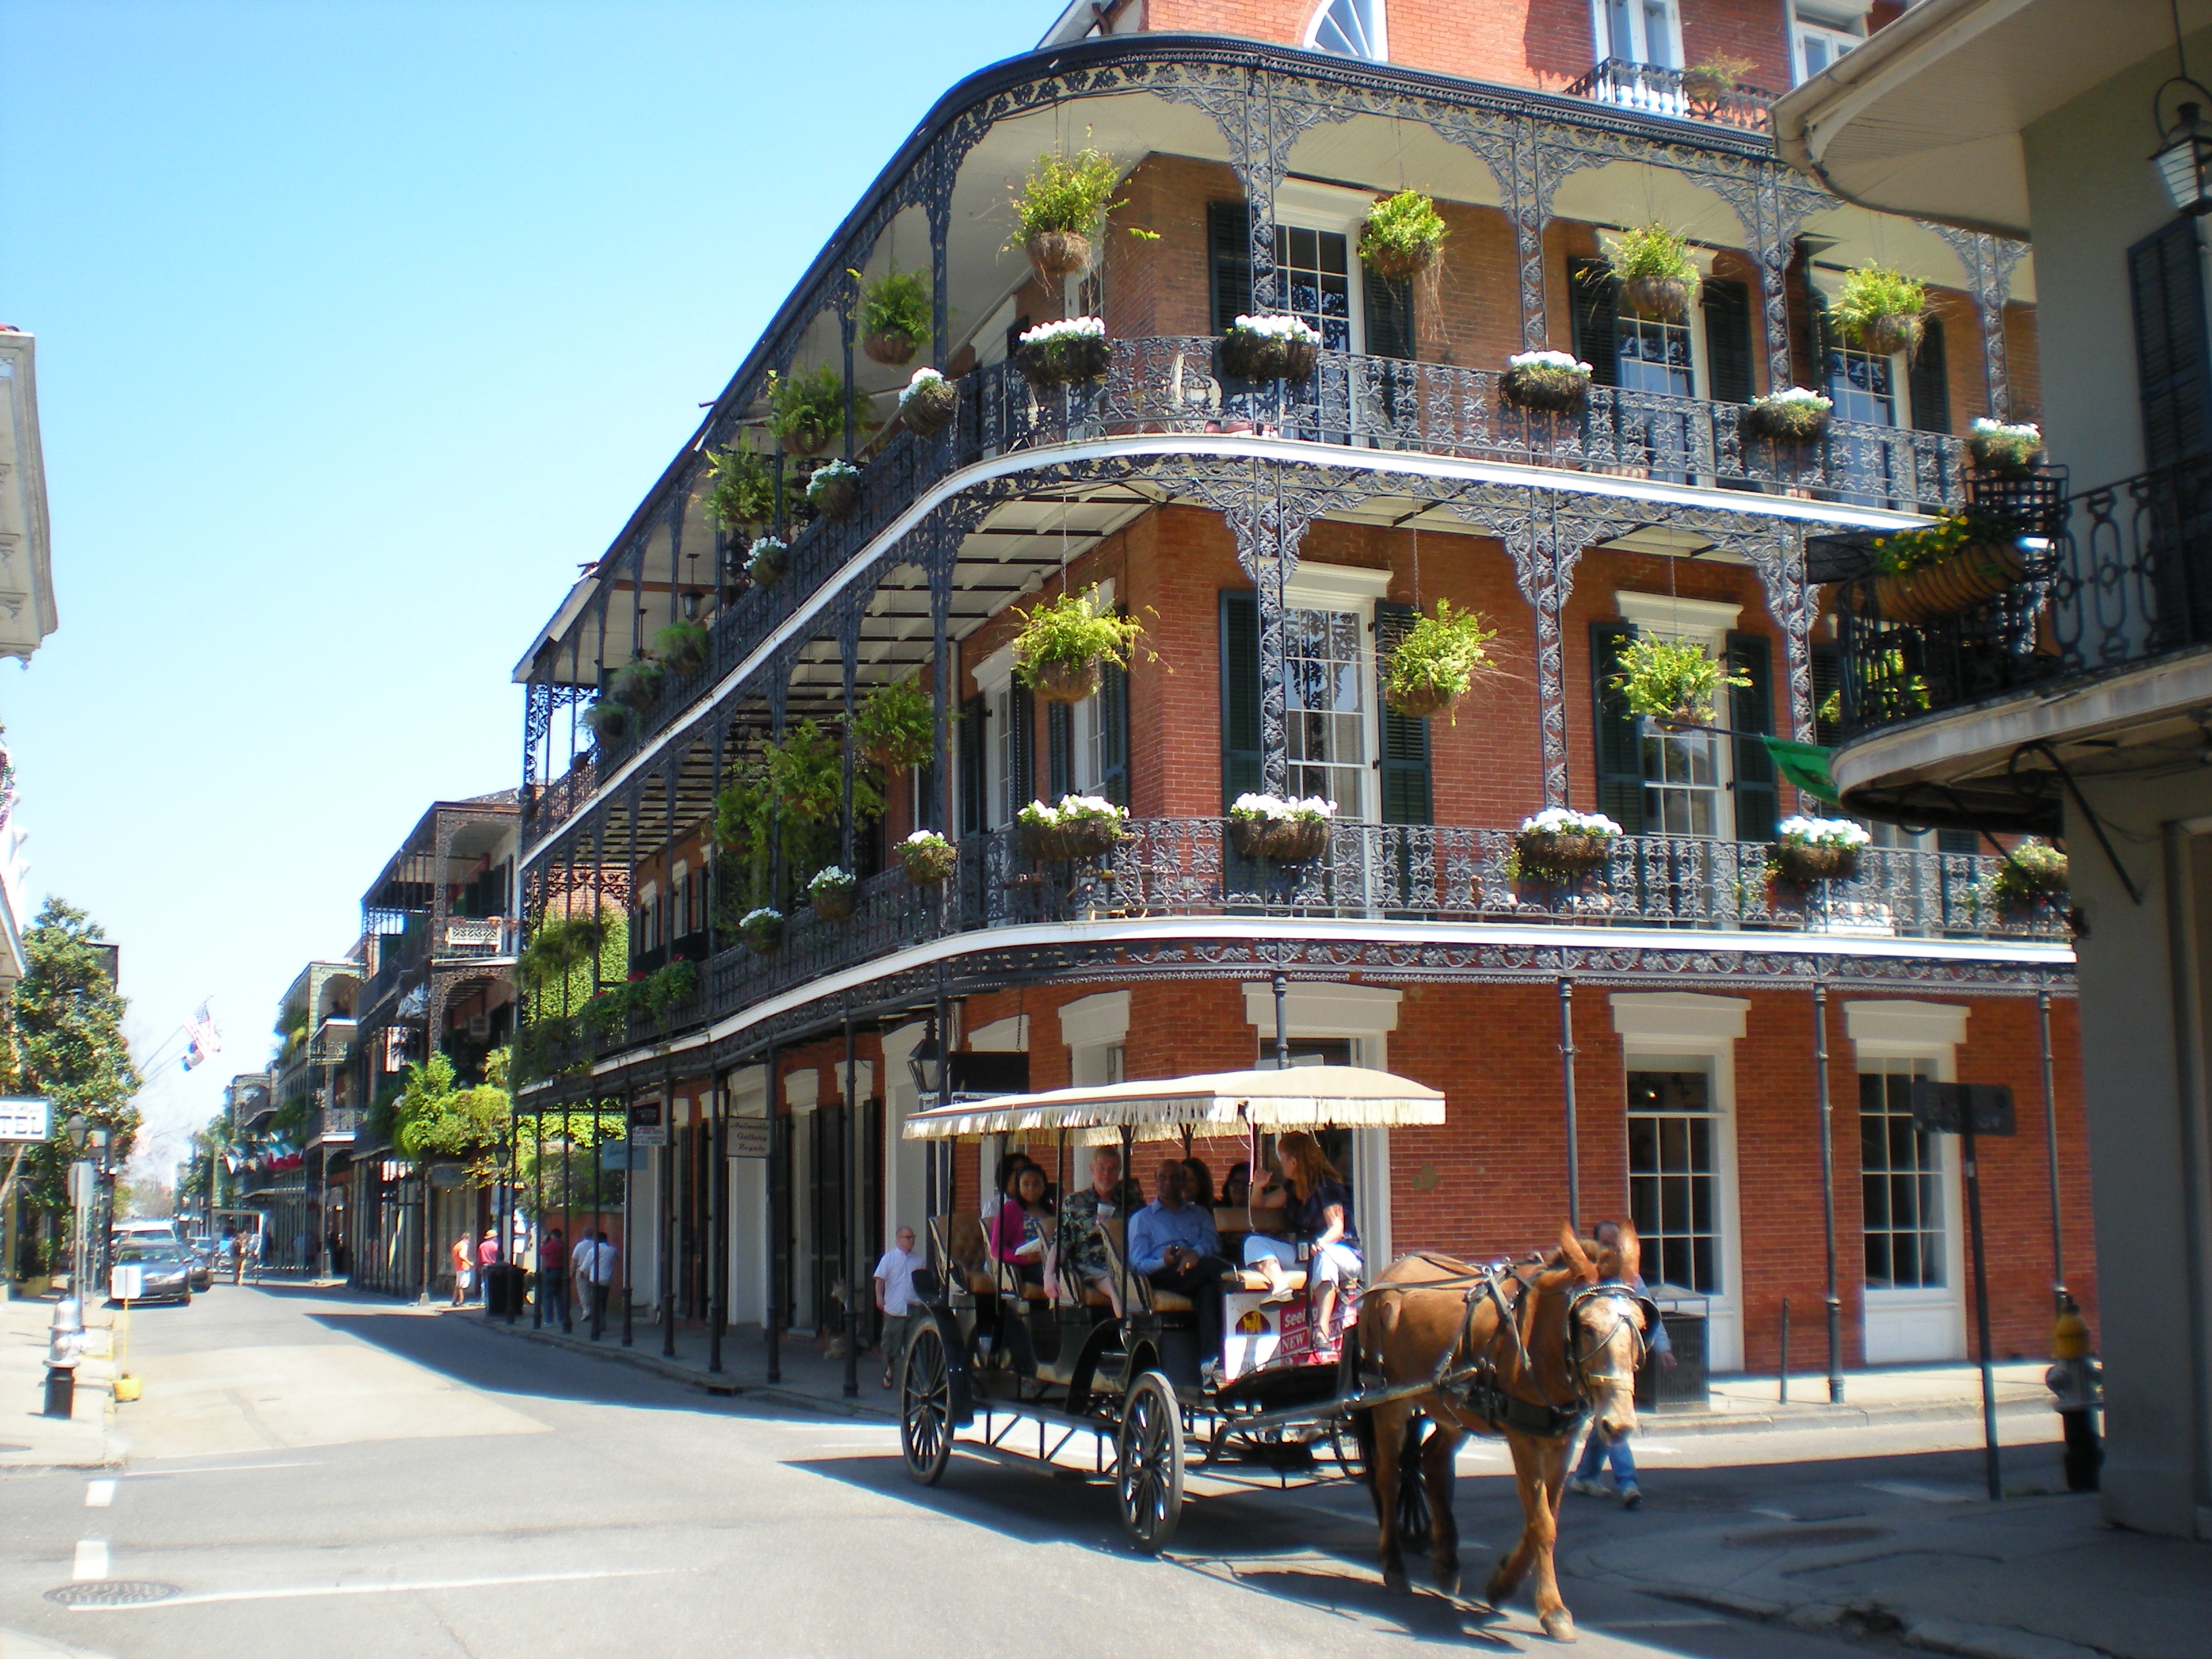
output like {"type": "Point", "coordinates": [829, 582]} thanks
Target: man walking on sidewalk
{"type": "Point", "coordinates": [553, 1279]}
{"type": "Point", "coordinates": [1597, 1450]}
{"type": "Point", "coordinates": [894, 1300]}
{"type": "Point", "coordinates": [595, 1267]}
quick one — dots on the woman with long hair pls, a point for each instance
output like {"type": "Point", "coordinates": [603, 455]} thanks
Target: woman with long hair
{"type": "Point", "coordinates": [1316, 1214]}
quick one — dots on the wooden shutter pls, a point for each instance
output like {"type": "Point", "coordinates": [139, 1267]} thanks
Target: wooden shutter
{"type": "Point", "coordinates": [1241, 761]}
{"type": "Point", "coordinates": [1059, 749]}
{"type": "Point", "coordinates": [975, 780]}
{"type": "Point", "coordinates": [1021, 756]}
{"type": "Point", "coordinates": [1594, 303]}
{"type": "Point", "coordinates": [1405, 757]}
{"type": "Point", "coordinates": [2172, 371]}
{"type": "Point", "coordinates": [1228, 260]}
{"type": "Point", "coordinates": [1728, 350]}
{"type": "Point", "coordinates": [1828, 681]}
{"type": "Point", "coordinates": [1112, 715]}
{"type": "Point", "coordinates": [1619, 745]}
{"type": "Point", "coordinates": [1959, 841]}
{"type": "Point", "coordinates": [1751, 708]}
{"type": "Point", "coordinates": [1389, 307]}
{"type": "Point", "coordinates": [1929, 379]}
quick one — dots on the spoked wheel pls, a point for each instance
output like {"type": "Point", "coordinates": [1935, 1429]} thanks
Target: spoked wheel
{"type": "Point", "coordinates": [1148, 1463]}
{"type": "Point", "coordinates": [926, 1407]}
{"type": "Point", "coordinates": [1412, 1492]}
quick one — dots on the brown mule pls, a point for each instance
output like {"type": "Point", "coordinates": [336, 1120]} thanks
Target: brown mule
{"type": "Point", "coordinates": [1567, 1348]}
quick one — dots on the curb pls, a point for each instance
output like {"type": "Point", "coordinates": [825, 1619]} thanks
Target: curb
{"type": "Point", "coordinates": [1661, 1425]}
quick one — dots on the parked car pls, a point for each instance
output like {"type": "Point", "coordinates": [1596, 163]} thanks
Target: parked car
{"type": "Point", "coordinates": [170, 1232]}
{"type": "Point", "coordinates": [165, 1274]}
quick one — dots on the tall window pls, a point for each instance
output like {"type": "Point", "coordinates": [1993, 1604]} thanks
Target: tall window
{"type": "Point", "coordinates": [1682, 783]}
{"type": "Point", "coordinates": [1821, 31]}
{"type": "Point", "coordinates": [1350, 28]}
{"type": "Point", "coordinates": [1325, 703]}
{"type": "Point", "coordinates": [1652, 355]}
{"type": "Point", "coordinates": [1639, 31]}
{"type": "Point", "coordinates": [1313, 272]}
{"type": "Point", "coordinates": [1673, 1183]}
{"type": "Point", "coordinates": [1863, 385]}
{"type": "Point", "coordinates": [1901, 1178]}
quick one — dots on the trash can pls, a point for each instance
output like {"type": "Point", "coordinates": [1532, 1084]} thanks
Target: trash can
{"type": "Point", "coordinates": [502, 1291]}
{"type": "Point", "coordinates": [1683, 1387]}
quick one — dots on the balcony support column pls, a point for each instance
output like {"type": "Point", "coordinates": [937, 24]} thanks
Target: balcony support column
{"type": "Point", "coordinates": [848, 293]}
{"type": "Point", "coordinates": [944, 556]}
{"type": "Point", "coordinates": [1990, 262]}
{"type": "Point", "coordinates": [848, 651]}
{"type": "Point", "coordinates": [855, 1223]}
{"type": "Point", "coordinates": [779, 703]}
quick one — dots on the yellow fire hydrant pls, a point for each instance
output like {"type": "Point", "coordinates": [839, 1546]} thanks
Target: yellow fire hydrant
{"type": "Point", "coordinates": [2075, 1384]}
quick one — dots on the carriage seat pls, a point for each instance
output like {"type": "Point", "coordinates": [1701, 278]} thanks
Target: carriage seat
{"type": "Point", "coordinates": [960, 1240]}
{"type": "Point", "coordinates": [1148, 1295]}
{"type": "Point", "coordinates": [1251, 1278]}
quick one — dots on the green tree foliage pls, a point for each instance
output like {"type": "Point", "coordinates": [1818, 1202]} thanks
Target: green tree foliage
{"type": "Point", "coordinates": [69, 1047]}
{"type": "Point", "coordinates": [563, 1170]}
{"type": "Point", "coordinates": [433, 1119]}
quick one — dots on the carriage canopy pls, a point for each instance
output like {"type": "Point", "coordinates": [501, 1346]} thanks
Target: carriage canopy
{"type": "Point", "coordinates": [1161, 1108]}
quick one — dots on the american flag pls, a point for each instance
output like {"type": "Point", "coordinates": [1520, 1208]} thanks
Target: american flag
{"type": "Point", "coordinates": [203, 1037]}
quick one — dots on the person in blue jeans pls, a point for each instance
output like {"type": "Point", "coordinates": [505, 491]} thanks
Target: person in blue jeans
{"type": "Point", "coordinates": [1598, 1450]}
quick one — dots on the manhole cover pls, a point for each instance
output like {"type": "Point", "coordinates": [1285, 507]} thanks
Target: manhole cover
{"type": "Point", "coordinates": [1788, 1538]}
{"type": "Point", "coordinates": [111, 1593]}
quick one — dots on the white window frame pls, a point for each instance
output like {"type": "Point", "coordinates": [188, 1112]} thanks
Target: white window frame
{"type": "Point", "coordinates": [1829, 284]}
{"type": "Point", "coordinates": [1374, 21]}
{"type": "Point", "coordinates": [1601, 35]}
{"type": "Point", "coordinates": [994, 680]}
{"type": "Point", "coordinates": [1658, 1028]}
{"type": "Point", "coordinates": [1808, 17]}
{"type": "Point", "coordinates": [1354, 590]}
{"type": "Point", "coordinates": [1309, 204]}
{"type": "Point", "coordinates": [1096, 1031]}
{"type": "Point", "coordinates": [1897, 1326]}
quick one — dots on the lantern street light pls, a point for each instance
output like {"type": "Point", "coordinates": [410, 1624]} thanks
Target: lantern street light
{"type": "Point", "coordinates": [2184, 156]}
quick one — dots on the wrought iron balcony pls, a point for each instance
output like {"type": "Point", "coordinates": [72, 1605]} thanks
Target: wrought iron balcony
{"type": "Point", "coordinates": [481, 936]}
{"type": "Point", "coordinates": [336, 1124]}
{"type": "Point", "coordinates": [1371, 872]}
{"type": "Point", "coordinates": [1173, 384]}
{"type": "Point", "coordinates": [1685, 94]}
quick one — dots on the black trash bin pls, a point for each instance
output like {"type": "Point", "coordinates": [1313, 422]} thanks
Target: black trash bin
{"type": "Point", "coordinates": [1682, 1387]}
{"type": "Point", "coordinates": [502, 1291]}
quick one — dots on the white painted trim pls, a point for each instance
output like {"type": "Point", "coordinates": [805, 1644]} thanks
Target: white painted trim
{"type": "Point", "coordinates": [1091, 1020]}
{"type": "Point", "coordinates": [996, 671]}
{"type": "Point", "coordinates": [1642, 1017]}
{"type": "Point", "coordinates": [1001, 1037]}
{"type": "Point", "coordinates": [1324, 1010]}
{"type": "Point", "coordinates": [748, 1087]}
{"type": "Point", "coordinates": [802, 1091]}
{"type": "Point", "coordinates": [1672, 618]}
{"type": "Point", "coordinates": [1317, 586]}
{"type": "Point", "coordinates": [1725, 1334]}
{"type": "Point", "coordinates": [805, 621]}
{"type": "Point", "coordinates": [1911, 1030]}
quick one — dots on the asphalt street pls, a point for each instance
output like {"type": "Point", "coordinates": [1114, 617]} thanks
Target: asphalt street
{"type": "Point", "coordinates": [323, 1475]}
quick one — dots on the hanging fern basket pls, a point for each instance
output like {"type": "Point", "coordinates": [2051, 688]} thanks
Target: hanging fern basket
{"type": "Point", "coordinates": [1056, 253]}
{"type": "Point", "coordinates": [929, 408]}
{"type": "Point", "coordinates": [1059, 680]}
{"type": "Point", "coordinates": [891, 347]}
{"type": "Point", "coordinates": [1975, 574]}
{"type": "Point", "coordinates": [1666, 298]}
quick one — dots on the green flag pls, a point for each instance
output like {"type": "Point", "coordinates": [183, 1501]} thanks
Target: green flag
{"type": "Point", "coordinates": [1806, 765]}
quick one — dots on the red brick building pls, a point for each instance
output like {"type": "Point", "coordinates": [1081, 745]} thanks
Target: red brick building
{"type": "Point", "coordinates": [1275, 538]}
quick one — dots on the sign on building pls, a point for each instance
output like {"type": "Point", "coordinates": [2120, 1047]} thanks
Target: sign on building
{"type": "Point", "coordinates": [646, 1126]}
{"type": "Point", "coordinates": [748, 1137]}
{"type": "Point", "coordinates": [25, 1119]}
{"type": "Point", "coordinates": [1949, 1108]}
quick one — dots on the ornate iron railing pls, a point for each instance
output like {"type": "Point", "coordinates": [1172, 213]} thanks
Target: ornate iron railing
{"type": "Point", "coordinates": [481, 936]}
{"type": "Point", "coordinates": [1686, 94]}
{"type": "Point", "coordinates": [1371, 872]}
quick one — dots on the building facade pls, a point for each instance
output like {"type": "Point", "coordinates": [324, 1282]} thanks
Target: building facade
{"type": "Point", "coordinates": [1274, 538]}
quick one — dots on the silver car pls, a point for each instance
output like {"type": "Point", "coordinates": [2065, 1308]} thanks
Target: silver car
{"type": "Point", "coordinates": [164, 1273]}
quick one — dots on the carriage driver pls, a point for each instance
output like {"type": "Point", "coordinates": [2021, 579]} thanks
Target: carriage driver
{"type": "Point", "coordinates": [1173, 1244]}
{"type": "Point", "coordinates": [1318, 1209]}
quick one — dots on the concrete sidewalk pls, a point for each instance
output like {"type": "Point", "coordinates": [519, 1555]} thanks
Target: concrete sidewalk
{"type": "Point", "coordinates": [28, 1438]}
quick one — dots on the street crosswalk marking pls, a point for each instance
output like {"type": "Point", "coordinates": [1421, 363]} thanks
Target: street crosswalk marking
{"type": "Point", "coordinates": [91, 1560]}
{"type": "Point", "coordinates": [99, 1494]}
{"type": "Point", "coordinates": [293, 1592]}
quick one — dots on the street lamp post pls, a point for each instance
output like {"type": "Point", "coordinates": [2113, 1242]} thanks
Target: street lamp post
{"type": "Point", "coordinates": [81, 1200]}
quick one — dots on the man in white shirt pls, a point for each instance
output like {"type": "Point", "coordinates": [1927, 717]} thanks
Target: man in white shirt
{"type": "Point", "coordinates": [595, 1273]}
{"type": "Point", "coordinates": [895, 1299]}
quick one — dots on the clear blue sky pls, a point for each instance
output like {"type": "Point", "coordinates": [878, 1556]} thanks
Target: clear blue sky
{"type": "Point", "coordinates": [361, 326]}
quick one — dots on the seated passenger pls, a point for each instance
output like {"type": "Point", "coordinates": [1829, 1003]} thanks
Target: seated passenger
{"type": "Point", "coordinates": [1198, 1187]}
{"type": "Point", "coordinates": [1237, 1187]}
{"type": "Point", "coordinates": [1173, 1243]}
{"type": "Point", "coordinates": [1317, 1211]}
{"type": "Point", "coordinates": [1024, 1226]}
{"type": "Point", "coordinates": [1082, 1242]}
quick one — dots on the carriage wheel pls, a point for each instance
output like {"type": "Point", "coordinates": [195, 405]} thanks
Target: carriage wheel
{"type": "Point", "coordinates": [1414, 1526]}
{"type": "Point", "coordinates": [1148, 1463]}
{"type": "Point", "coordinates": [926, 1407]}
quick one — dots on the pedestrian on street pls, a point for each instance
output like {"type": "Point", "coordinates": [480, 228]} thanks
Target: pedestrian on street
{"type": "Point", "coordinates": [894, 1299]}
{"type": "Point", "coordinates": [1597, 1451]}
{"type": "Point", "coordinates": [463, 1258]}
{"type": "Point", "coordinates": [235, 1253]}
{"type": "Point", "coordinates": [487, 1259]}
{"type": "Point", "coordinates": [597, 1270]}
{"type": "Point", "coordinates": [253, 1244]}
{"type": "Point", "coordinates": [553, 1279]}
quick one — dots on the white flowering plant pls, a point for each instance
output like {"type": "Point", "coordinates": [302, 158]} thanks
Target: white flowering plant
{"type": "Point", "coordinates": [1274, 809]}
{"type": "Point", "coordinates": [1792, 416]}
{"type": "Point", "coordinates": [1998, 446]}
{"type": "Point", "coordinates": [1566, 821]}
{"type": "Point", "coordinates": [834, 489]}
{"type": "Point", "coordinates": [927, 403]}
{"type": "Point", "coordinates": [835, 875]}
{"type": "Point", "coordinates": [1067, 328]}
{"type": "Point", "coordinates": [925, 382]}
{"type": "Point", "coordinates": [1560, 360]}
{"type": "Point", "coordinates": [1549, 382]}
{"type": "Point", "coordinates": [761, 929]}
{"type": "Point", "coordinates": [1269, 325]}
{"type": "Point", "coordinates": [1079, 827]}
{"type": "Point", "coordinates": [928, 857]}
{"type": "Point", "coordinates": [1802, 831]}
{"type": "Point", "coordinates": [1270, 347]}
{"type": "Point", "coordinates": [1289, 832]}
{"type": "Point", "coordinates": [1061, 353]}
{"type": "Point", "coordinates": [1560, 844]}
{"type": "Point", "coordinates": [1807, 850]}
{"type": "Point", "coordinates": [769, 557]}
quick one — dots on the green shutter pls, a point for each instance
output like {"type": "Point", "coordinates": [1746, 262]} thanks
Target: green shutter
{"type": "Point", "coordinates": [974, 781]}
{"type": "Point", "coordinates": [1059, 749]}
{"type": "Point", "coordinates": [1406, 797]}
{"type": "Point", "coordinates": [1594, 304]}
{"type": "Point", "coordinates": [2173, 364]}
{"type": "Point", "coordinates": [1619, 743]}
{"type": "Point", "coordinates": [1389, 307]}
{"type": "Point", "coordinates": [1930, 381]}
{"type": "Point", "coordinates": [1228, 260]}
{"type": "Point", "coordinates": [1021, 759]}
{"type": "Point", "coordinates": [1752, 709]}
{"type": "Point", "coordinates": [1728, 340]}
{"type": "Point", "coordinates": [1113, 714]}
{"type": "Point", "coordinates": [1241, 763]}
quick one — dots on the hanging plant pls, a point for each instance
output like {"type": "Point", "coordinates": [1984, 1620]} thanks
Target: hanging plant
{"type": "Point", "coordinates": [928, 857]}
{"type": "Point", "coordinates": [610, 718]}
{"type": "Point", "coordinates": [895, 726]}
{"type": "Point", "coordinates": [1548, 382]}
{"type": "Point", "coordinates": [1673, 681]}
{"type": "Point", "coordinates": [833, 893]}
{"type": "Point", "coordinates": [1879, 309]}
{"type": "Point", "coordinates": [1064, 353]}
{"type": "Point", "coordinates": [1997, 447]}
{"type": "Point", "coordinates": [1080, 827]}
{"type": "Point", "coordinates": [1269, 347]}
{"type": "Point", "coordinates": [1559, 844]}
{"type": "Point", "coordinates": [1434, 664]}
{"type": "Point", "coordinates": [2032, 873]}
{"type": "Point", "coordinates": [1807, 850]}
{"type": "Point", "coordinates": [1657, 277]}
{"type": "Point", "coordinates": [1792, 416]}
{"type": "Point", "coordinates": [637, 682]}
{"type": "Point", "coordinates": [806, 411]}
{"type": "Point", "coordinates": [1061, 208]}
{"type": "Point", "coordinates": [1707, 83]}
{"type": "Point", "coordinates": [1961, 560]}
{"type": "Point", "coordinates": [895, 316]}
{"type": "Point", "coordinates": [681, 647]}
{"type": "Point", "coordinates": [741, 497]}
{"type": "Point", "coordinates": [834, 490]}
{"type": "Point", "coordinates": [1403, 237]}
{"type": "Point", "coordinates": [769, 558]}
{"type": "Point", "coordinates": [1065, 640]}
{"type": "Point", "coordinates": [928, 402]}
{"type": "Point", "coordinates": [762, 930]}
{"type": "Point", "coordinates": [1284, 831]}
{"type": "Point", "coordinates": [668, 988]}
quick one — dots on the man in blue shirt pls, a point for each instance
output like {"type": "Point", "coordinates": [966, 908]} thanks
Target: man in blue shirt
{"type": "Point", "coordinates": [1173, 1244]}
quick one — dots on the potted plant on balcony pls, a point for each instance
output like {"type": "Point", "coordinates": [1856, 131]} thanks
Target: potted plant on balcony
{"type": "Point", "coordinates": [833, 893]}
{"type": "Point", "coordinates": [928, 857]}
{"type": "Point", "coordinates": [669, 989]}
{"type": "Point", "coordinates": [1559, 844]}
{"type": "Point", "coordinates": [1999, 447]}
{"type": "Point", "coordinates": [1807, 850]}
{"type": "Point", "coordinates": [681, 647]}
{"type": "Point", "coordinates": [1548, 382]}
{"type": "Point", "coordinates": [2032, 873]}
{"type": "Point", "coordinates": [834, 490]}
{"type": "Point", "coordinates": [1060, 209]}
{"type": "Point", "coordinates": [1065, 640]}
{"type": "Point", "coordinates": [1403, 236]}
{"type": "Point", "coordinates": [610, 718]}
{"type": "Point", "coordinates": [1792, 417]}
{"type": "Point", "coordinates": [761, 929]}
{"type": "Point", "coordinates": [1269, 347]}
{"type": "Point", "coordinates": [895, 316]}
{"type": "Point", "coordinates": [1707, 84]}
{"type": "Point", "coordinates": [896, 724]}
{"type": "Point", "coordinates": [1657, 277]}
{"type": "Point", "coordinates": [928, 403]}
{"type": "Point", "coordinates": [1674, 682]}
{"type": "Point", "coordinates": [1285, 832]}
{"type": "Point", "coordinates": [741, 492]}
{"type": "Point", "coordinates": [1080, 827]}
{"type": "Point", "coordinates": [806, 411]}
{"type": "Point", "coordinates": [1963, 560]}
{"type": "Point", "coordinates": [1879, 309]}
{"type": "Point", "coordinates": [637, 682]}
{"type": "Point", "coordinates": [1433, 665]}
{"type": "Point", "coordinates": [769, 558]}
{"type": "Point", "coordinates": [1064, 353]}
